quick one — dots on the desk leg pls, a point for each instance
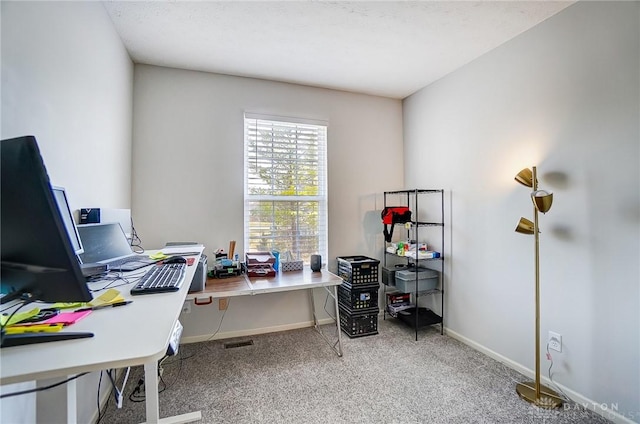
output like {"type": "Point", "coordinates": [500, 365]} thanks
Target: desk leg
{"type": "Point", "coordinates": [338, 329]}
{"type": "Point", "coordinates": [336, 346]}
{"type": "Point", "coordinates": [151, 391]}
{"type": "Point", "coordinates": [313, 309]}
{"type": "Point", "coordinates": [72, 402]}
{"type": "Point", "coordinates": [152, 402]}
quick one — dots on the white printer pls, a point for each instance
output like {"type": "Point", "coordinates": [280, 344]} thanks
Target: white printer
{"type": "Point", "coordinates": [200, 277]}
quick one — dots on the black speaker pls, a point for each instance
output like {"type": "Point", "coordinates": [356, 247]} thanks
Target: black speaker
{"type": "Point", "coordinates": [316, 263]}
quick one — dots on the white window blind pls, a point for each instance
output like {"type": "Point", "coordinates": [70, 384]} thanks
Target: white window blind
{"type": "Point", "coordinates": [285, 196]}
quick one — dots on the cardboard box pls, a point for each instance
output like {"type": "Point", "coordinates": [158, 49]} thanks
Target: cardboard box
{"type": "Point", "coordinates": [393, 298]}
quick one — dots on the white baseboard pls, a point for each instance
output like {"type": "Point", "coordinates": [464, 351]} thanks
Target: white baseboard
{"type": "Point", "coordinates": [253, 331]}
{"type": "Point", "coordinates": [604, 410]}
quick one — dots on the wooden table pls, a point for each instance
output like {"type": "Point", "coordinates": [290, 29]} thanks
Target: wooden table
{"type": "Point", "coordinates": [305, 279]}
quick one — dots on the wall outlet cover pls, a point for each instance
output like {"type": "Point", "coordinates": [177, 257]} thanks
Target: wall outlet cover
{"type": "Point", "coordinates": [555, 341]}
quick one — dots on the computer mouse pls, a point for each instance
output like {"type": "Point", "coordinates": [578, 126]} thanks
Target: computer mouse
{"type": "Point", "coordinates": [174, 260]}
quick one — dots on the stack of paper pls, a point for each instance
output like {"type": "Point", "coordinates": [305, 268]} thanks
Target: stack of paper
{"type": "Point", "coordinates": [182, 249]}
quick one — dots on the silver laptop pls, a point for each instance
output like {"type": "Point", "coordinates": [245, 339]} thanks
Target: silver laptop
{"type": "Point", "coordinates": [107, 244]}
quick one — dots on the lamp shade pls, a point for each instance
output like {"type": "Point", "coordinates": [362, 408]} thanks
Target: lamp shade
{"type": "Point", "coordinates": [524, 226]}
{"type": "Point", "coordinates": [525, 177]}
{"type": "Point", "coordinates": [542, 199]}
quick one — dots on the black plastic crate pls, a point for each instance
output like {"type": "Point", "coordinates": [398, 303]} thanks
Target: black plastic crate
{"type": "Point", "coordinates": [358, 324]}
{"type": "Point", "coordinates": [360, 297]}
{"type": "Point", "coordinates": [358, 270]}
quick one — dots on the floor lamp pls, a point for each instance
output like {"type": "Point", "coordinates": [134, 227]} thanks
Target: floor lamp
{"type": "Point", "coordinates": [533, 391]}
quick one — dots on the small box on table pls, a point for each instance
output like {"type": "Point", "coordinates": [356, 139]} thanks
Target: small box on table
{"type": "Point", "coordinates": [291, 265]}
{"type": "Point", "coordinates": [259, 258]}
{"type": "Point", "coordinates": [260, 264]}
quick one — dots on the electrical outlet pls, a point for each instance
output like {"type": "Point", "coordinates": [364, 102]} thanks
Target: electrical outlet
{"type": "Point", "coordinates": [186, 307]}
{"type": "Point", "coordinates": [555, 341]}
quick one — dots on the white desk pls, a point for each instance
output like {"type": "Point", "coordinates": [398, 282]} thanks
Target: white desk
{"type": "Point", "coordinates": [283, 281]}
{"type": "Point", "coordinates": [131, 335]}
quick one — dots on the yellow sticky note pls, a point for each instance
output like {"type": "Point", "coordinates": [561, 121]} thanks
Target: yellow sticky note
{"type": "Point", "coordinates": [44, 328]}
{"type": "Point", "coordinates": [110, 296]}
{"type": "Point", "coordinates": [158, 255]}
{"type": "Point", "coordinates": [67, 305]}
{"type": "Point", "coordinates": [16, 318]}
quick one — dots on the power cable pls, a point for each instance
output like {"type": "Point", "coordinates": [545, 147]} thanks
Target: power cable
{"type": "Point", "coordinates": [40, 389]}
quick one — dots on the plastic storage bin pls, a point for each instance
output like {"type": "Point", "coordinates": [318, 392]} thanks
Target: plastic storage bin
{"type": "Point", "coordinates": [389, 273]}
{"type": "Point", "coordinates": [358, 270]}
{"type": "Point", "coordinates": [358, 298]}
{"type": "Point", "coordinates": [358, 324]}
{"type": "Point", "coordinates": [425, 317]}
{"type": "Point", "coordinates": [427, 279]}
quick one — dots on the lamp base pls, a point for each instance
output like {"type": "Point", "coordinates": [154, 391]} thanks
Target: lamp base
{"type": "Point", "coordinates": [549, 399]}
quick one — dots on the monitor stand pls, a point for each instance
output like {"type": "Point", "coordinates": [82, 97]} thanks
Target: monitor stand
{"type": "Point", "coordinates": [8, 297]}
{"type": "Point", "coordinates": [10, 340]}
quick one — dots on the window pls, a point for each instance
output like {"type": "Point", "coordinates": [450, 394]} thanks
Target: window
{"type": "Point", "coordinates": [285, 194]}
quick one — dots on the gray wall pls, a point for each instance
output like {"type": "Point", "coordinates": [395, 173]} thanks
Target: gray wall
{"type": "Point", "coordinates": [67, 79]}
{"type": "Point", "coordinates": [563, 96]}
{"type": "Point", "coordinates": [188, 173]}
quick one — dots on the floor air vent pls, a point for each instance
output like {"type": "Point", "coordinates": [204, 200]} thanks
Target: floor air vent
{"type": "Point", "coordinates": [238, 344]}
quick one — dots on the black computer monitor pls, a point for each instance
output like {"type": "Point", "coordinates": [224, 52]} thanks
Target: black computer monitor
{"type": "Point", "coordinates": [60, 194]}
{"type": "Point", "coordinates": [38, 260]}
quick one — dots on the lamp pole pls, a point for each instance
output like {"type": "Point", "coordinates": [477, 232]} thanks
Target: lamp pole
{"type": "Point", "coordinates": [537, 262]}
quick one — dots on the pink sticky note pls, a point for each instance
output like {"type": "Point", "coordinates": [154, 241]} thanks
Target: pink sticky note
{"type": "Point", "coordinates": [66, 318]}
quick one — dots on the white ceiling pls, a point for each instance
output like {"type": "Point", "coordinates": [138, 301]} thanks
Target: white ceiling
{"type": "Point", "coordinates": [389, 49]}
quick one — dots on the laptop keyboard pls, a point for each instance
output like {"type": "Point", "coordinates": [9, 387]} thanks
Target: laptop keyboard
{"type": "Point", "coordinates": [119, 262]}
{"type": "Point", "coordinates": [161, 279]}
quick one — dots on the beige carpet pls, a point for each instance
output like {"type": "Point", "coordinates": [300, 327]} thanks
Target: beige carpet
{"type": "Point", "coordinates": [294, 377]}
